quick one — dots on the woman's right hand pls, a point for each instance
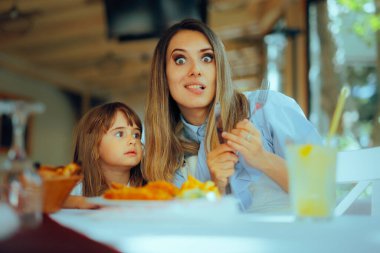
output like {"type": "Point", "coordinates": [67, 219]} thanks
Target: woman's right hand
{"type": "Point", "coordinates": [221, 163]}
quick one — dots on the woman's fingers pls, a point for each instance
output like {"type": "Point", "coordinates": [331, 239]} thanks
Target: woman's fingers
{"type": "Point", "coordinates": [247, 126]}
{"type": "Point", "coordinates": [221, 149]}
{"type": "Point", "coordinates": [221, 163]}
{"type": "Point", "coordinates": [241, 138]}
{"type": "Point", "coordinates": [220, 172]}
{"type": "Point", "coordinates": [244, 130]}
{"type": "Point", "coordinates": [223, 153]}
{"type": "Point", "coordinates": [246, 140]}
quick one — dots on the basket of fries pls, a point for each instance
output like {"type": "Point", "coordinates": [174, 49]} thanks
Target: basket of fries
{"type": "Point", "coordinates": [58, 183]}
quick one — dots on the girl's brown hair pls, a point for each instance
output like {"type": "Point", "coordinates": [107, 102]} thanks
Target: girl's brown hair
{"type": "Point", "coordinates": [90, 130]}
{"type": "Point", "coordinates": [165, 145]}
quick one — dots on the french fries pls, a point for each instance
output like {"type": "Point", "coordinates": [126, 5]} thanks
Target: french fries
{"type": "Point", "coordinates": [161, 190]}
{"type": "Point", "coordinates": [194, 188]}
{"type": "Point", "coordinates": [70, 169]}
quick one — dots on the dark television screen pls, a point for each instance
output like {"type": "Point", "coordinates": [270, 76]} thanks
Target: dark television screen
{"type": "Point", "coordinates": [140, 19]}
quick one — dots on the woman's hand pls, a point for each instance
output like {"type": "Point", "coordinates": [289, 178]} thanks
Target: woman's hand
{"type": "Point", "coordinates": [246, 140]}
{"type": "Point", "coordinates": [221, 163]}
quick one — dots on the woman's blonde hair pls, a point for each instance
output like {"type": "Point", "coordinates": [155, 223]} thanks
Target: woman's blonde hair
{"type": "Point", "coordinates": [89, 132]}
{"type": "Point", "coordinates": [165, 145]}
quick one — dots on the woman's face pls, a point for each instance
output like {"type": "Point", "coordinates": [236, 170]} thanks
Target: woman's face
{"type": "Point", "coordinates": [191, 72]}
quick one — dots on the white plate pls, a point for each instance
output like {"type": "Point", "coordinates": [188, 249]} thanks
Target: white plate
{"type": "Point", "coordinates": [123, 202]}
{"type": "Point", "coordinates": [202, 203]}
{"type": "Point", "coordinates": [171, 209]}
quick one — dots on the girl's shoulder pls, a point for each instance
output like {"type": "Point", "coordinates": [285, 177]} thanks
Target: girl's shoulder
{"type": "Point", "coordinates": [77, 190]}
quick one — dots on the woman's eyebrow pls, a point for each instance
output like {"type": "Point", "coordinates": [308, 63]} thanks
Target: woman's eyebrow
{"type": "Point", "coordinates": [206, 49]}
{"type": "Point", "coordinates": [177, 49]}
{"type": "Point", "coordinates": [183, 50]}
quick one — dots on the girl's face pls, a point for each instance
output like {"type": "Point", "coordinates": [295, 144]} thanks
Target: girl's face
{"type": "Point", "coordinates": [191, 71]}
{"type": "Point", "coordinates": [120, 148]}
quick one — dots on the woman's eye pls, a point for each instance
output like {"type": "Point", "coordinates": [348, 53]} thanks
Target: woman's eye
{"type": "Point", "coordinates": [137, 135]}
{"type": "Point", "coordinates": [180, 60]}
{"type": "Point", "coordinates": [119, 134]}
{"type": "Point", "coordinates": [208, 58]}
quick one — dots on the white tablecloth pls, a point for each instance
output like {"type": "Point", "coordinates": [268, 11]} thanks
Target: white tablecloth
{"type": "Point", "coordinates": [205, 229]}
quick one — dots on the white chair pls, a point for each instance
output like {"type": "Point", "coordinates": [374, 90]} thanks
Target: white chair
{"type": "Point", "coordinates": [363, 168]}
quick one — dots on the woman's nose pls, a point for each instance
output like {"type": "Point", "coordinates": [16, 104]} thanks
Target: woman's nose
{"type": "Point", "coordinates": [195, 69]}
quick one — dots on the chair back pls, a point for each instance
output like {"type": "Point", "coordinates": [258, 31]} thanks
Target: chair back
{"type": "Point", "coordinates": [363, 168]}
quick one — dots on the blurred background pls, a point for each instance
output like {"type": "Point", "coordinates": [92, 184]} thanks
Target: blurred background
{"type": "Point", "coordinates": [74, 54]}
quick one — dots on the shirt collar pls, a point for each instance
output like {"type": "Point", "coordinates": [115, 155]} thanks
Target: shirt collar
{"type": "Point", "coordinates": [195, 133]}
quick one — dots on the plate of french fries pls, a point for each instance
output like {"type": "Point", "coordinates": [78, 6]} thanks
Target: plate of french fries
{"type": "Point", "coordinates": [158, 192]}
{"type": "Point", "coordinates": [194, 200]}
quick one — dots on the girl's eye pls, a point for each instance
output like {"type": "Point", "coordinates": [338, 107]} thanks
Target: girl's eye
{"type": "Point", "coordinates": [119, 134]}
{"type": "Point", "coordinates": [208, 58]}
{"type": "Point", "coordinates": [180, 60]}
{"type": "Point", "coordinates": [136, 136]}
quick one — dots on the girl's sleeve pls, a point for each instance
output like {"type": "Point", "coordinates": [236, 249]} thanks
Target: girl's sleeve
{"type": "Point", "coordinates": [77, 190]}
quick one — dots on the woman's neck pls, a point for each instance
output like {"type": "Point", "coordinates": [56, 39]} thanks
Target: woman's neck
{"type": "Point", "coordinates": [117, 175]}
{"type": "Point", "coordinates": [195, 117]}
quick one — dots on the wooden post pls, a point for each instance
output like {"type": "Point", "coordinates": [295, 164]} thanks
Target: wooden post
{"type": "Point", "coordinates": [296, 67]}
{"type": "Point", "coordinates": [376, 120]}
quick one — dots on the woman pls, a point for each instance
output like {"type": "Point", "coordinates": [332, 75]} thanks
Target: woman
{"type": "Point", "coordinates": [190, 74]}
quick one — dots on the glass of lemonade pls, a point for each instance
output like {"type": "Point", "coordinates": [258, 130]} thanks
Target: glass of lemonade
{"type": "Point", "coordinates": [312, 173]}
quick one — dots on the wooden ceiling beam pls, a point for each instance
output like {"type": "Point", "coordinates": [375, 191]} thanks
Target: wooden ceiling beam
{"type": "Point", "coordinates": [56, 78]}
{"type": "Point", "coordinates": [256, 21]}
{"type": "Point", "coordinates": [91, 28]}
{"type": "Point", "coordinates": [99, 73]}
{"type": "Point", "coordinates": [26, 5]}
{"type": "Point", "coordinates": [58, 26]}
{"type": "Point", "coordinates": [88, 49]}
{"type": "Point", "coordinates": [273, 10]}
{"type": "Point", "coordinates": [20, 66]}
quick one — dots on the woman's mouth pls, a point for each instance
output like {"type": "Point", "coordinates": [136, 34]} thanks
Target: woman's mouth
{"type": "Point", "coordinates": [196, 88]}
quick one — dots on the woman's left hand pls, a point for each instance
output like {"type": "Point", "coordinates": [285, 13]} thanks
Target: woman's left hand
{"type": "Point", "coordinates": [246, 140]}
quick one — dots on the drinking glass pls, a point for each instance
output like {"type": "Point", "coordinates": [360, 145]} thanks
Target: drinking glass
{"type": "Point", "coordinates": [20, 185]}
{"type": "Point", "coordinates": [312, 185]}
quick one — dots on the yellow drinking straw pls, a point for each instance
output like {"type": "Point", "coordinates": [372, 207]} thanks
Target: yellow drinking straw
{"type": "Point", "coordinates": [344, 93]}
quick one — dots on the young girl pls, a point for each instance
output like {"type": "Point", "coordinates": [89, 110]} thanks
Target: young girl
{"type": "Point", "coordinates": [108, 147]}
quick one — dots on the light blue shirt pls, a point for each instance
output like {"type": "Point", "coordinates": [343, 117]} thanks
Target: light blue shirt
{"type": "Point", "coordinates": [279, 121]}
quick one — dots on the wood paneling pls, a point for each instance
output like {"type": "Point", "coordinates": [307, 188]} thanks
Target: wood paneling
{"type": "Point", "coordinates": [67, 44]}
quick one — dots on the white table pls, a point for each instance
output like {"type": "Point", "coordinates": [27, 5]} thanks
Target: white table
{"type": "Point", "coordinates": [134, 230]}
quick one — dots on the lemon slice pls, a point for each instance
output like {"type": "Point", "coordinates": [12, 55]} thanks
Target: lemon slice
{"type": "Point", "coordinates": [305, 150]}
